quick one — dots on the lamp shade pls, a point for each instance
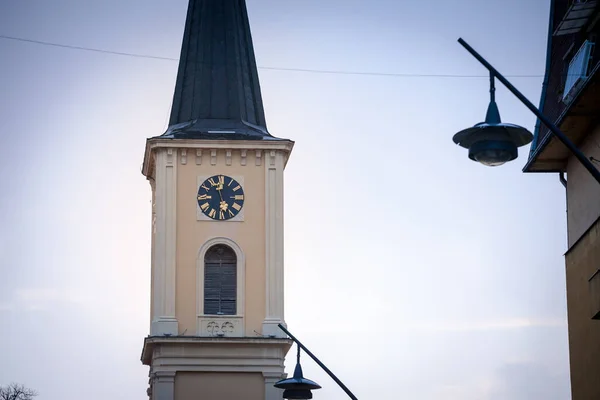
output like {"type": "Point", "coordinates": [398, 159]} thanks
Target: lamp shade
{"type": "Point", "coordinates": [493, 142]}
{"type": "Point", "coordinates": [297, 387]}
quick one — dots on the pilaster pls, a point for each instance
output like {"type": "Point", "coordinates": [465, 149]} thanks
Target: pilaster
{"type": "Point", "coordinates": [274, 165]}
{"type": "Point", "coordinates": [163, 318]}
{"type": "Point", "coordinates": [163, 387]}
{"type": "Point", "coordinates": [271, 392]}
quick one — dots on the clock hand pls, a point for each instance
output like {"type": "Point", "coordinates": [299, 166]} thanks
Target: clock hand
{"type": "Point", "coordinates": [223, 204]}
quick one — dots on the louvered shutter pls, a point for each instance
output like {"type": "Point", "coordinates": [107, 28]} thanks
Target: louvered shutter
{"type": "Point", "coordinates": [212, 287]}
{"type": "Point", "coordinates": [228, 288]}
{"type": "Point", "coordinates": [220, 281]}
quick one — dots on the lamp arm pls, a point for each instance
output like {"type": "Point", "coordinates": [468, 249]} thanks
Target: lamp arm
{"type": "Point", "coordinates": [553, 128]}
{"type": "Point", "coordinates": [331, 374]}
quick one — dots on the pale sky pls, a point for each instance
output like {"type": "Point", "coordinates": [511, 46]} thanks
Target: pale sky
{"type": "Point", "coordinates": [411, 271]}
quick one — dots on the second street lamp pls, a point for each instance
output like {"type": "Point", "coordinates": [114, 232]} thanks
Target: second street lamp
{"type": "Point", "coordinates": [493, 142]}
{"type": "Point", "coordinates": [490, 141]}
{"type": "Point", "coordinates": [297, 387]}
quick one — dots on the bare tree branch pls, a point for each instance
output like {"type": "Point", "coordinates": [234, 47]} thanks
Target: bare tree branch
{"type": "Point", "coordinates": [16, 391]}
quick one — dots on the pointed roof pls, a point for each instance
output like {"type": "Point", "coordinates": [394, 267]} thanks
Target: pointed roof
{"type": "Point", "coordinates": [217, 93]}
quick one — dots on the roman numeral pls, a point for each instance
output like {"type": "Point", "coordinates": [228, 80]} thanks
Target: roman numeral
{"type": "Point", "coordinates": [204, 206]}
{"type": "Point", "coordinates": [204, 197]}
{"type": "Point", "coordinates": [230, 213]}
{"type": "Point", "coordinates": [238, 187]}
{"type": "Point", "coordinates": [230, 182]}
{"type": "Point", "coordinates": [204, 187]}
{"type": "Point", "coordinates": [212, 213]}
{"type": "Point", "coordinates": [238, 197]}
{"type": "Point", "coordinates": [221, 215]}
{"type": "Point", "coordinates": [221, 180]}
{"type": "Point", "coordinates": [236, 206]}
{"type": "Point", "coordinates": [212, 182]}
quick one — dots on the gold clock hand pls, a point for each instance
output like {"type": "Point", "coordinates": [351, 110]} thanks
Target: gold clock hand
{"type": "Point", "coordinates": [223, 204]}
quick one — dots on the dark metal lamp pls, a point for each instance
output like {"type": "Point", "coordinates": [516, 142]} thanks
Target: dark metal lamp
{"type": "Point", "coordinates": [297, 387]}
{"type": "Point", "coordinates": [493, 142]}
{"type": "Point", "coordinates": [503, 140]}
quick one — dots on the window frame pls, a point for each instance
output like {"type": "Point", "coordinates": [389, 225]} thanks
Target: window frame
{"type": "Point", "coordinates": [240, 275]}
{"type": "Point", "coordinates": [220, 280]}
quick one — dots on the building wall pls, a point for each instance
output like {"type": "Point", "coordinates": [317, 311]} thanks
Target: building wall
{"type": "Point", "coordinates": [583, 192]}
{"type": "Point", "coordinates": [582, 261]}
{"type": "Point", "coordinates": [218, 386]}
{"type": "Point", "coordinates": [248, 234]}
{"type": "Point", "coordinates": [583, 210]}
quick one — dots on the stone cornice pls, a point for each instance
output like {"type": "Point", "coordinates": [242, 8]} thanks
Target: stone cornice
{"type": "Point", "coordinates": [151, 342]}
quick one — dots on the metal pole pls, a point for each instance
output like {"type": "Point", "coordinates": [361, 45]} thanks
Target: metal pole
{"type": "Point", "coordinates": [557, 132]}
{"type": "Point", "coordinates": [331, 374]}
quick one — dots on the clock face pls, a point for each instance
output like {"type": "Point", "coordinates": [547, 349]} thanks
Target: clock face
{"type": "Point", "coordinates": [220, 197]}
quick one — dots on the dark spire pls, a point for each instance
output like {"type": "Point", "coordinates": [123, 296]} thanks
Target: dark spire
{"type": "Point", "coordinates": [217, 94]}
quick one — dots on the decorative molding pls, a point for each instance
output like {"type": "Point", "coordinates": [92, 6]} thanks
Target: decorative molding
{"type": "Point", "coordinates": [215, 354]}
{"type": "Point", "coordinates": [258, 157]}
{"type": "Point", "coordinates": [183, 156]}
{"type": "Point", "coordinates": [220, 326]}
{"type": "Point", "coordinates": [171, 233]}
{"type": "Point", "coordinates": [153, 186]}
{"type": "Point", "coordinates": [200, 216]}
{"type": "Point", "coordinates": [272, 153]}
{"type": "Point", "coordinates": [213, 157]}
{"type": "Point", "coordinates": [227, 157]}
{"type": "Point", "coordinates": [158, 142]}
{"type": "Point", "coordinates": [198, 157]}
{"type": "Point", "coordinates": [154, 144]}
{"type": "Point", "coordinates": [243, 154]}
{"type": "Point", "coordinates": [169, 156]}
{"type": "Point", "coordinates": [275, 376]}
{"type": "Point", "coordinates": [164, 374]}
{"type": "Point", "coordinates": [241, 284]}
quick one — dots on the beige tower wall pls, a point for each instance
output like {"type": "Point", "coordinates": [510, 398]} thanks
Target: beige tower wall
{"type": "Point", "coordinates": [248, 234]}
{"type": "Point", "coordinates": [182, 234]}
{"type": "Point", "coordinates": [218, 386]}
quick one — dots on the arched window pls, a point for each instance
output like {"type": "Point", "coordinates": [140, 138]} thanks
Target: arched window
{"type": "Point", "coordinates": [220, 281]}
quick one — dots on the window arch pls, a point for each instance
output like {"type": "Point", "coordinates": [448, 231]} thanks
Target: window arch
{"type": "Point", "coordinates": [220, 280]}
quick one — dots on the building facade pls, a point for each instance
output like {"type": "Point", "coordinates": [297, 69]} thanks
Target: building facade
{"type": "Point", "coordinates": [571, 98]}
{"type": "Point", "coordinates": [217, 222]}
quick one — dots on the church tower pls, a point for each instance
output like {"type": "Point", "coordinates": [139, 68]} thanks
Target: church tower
{"type": "Point", "coordinates": [217, 222]}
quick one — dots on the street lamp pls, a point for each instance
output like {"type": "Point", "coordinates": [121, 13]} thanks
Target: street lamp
{"type": "Point", "coordinates": [301, 387]}
{"type": "Point", "coordinates": [297, 387]}
{"type": "Point", "coordinates": [493, 142]}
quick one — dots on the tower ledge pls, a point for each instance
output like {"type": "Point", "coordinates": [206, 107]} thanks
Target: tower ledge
{"type": "Point", "coordinates": [207, 348]}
